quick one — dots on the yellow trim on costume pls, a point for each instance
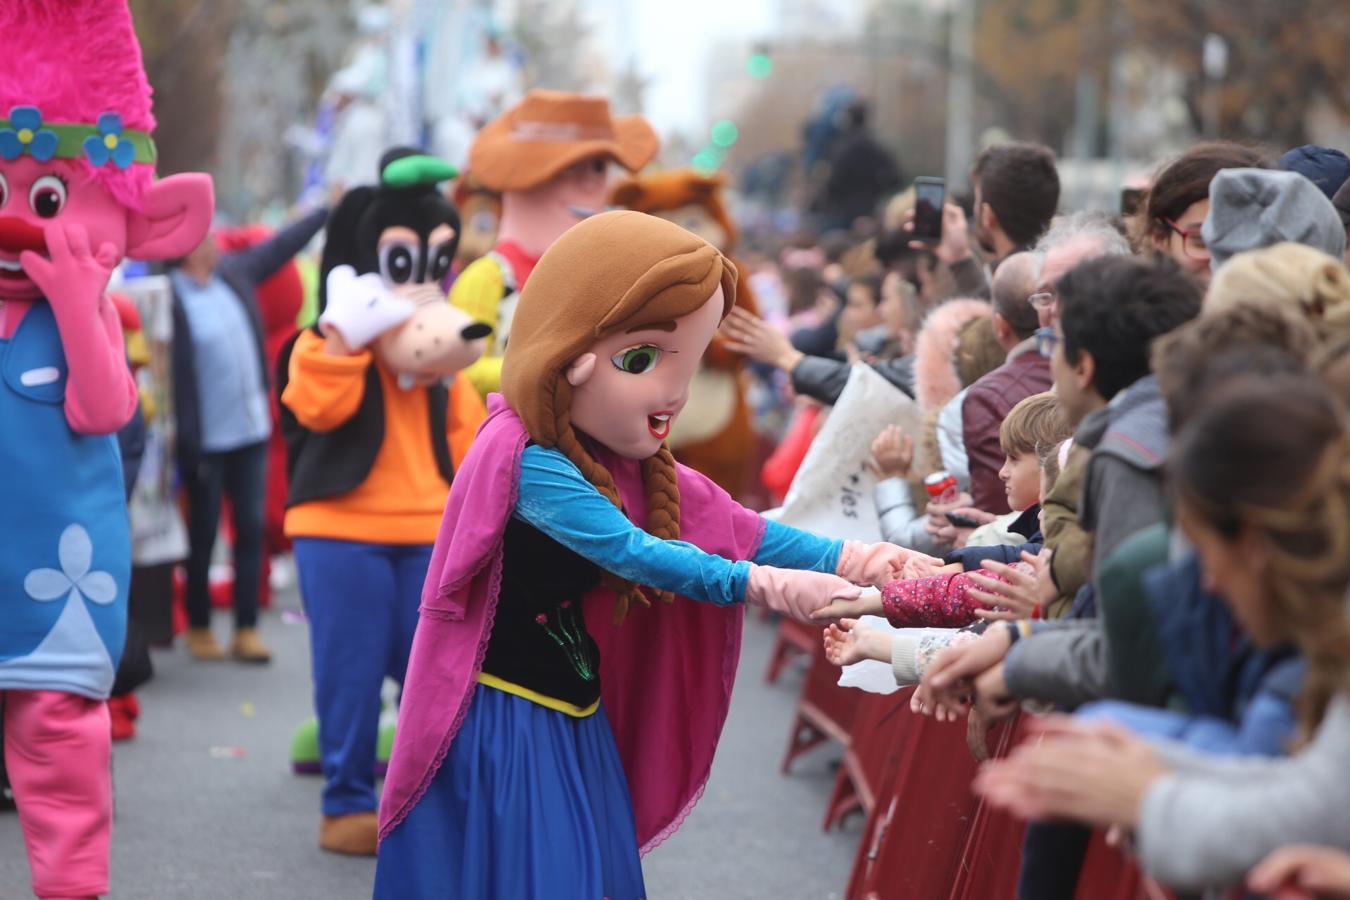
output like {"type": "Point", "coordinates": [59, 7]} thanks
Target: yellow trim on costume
{"type": "Point", "coordinates": [562, 706]}
{"type": "Point", "coordinates": [1024, 627]}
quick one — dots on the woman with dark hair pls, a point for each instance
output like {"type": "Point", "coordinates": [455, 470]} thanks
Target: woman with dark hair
{"type": "Point", "coordinates": [1268, 510]}
{"type": "Point", "coordinates": [1178, 201]}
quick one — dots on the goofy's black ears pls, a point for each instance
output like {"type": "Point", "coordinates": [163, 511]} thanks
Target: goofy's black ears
{"type": "Point", "coordinates": [340, 242]}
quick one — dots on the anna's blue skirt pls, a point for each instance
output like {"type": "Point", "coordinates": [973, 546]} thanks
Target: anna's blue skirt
{"type": "Point", "coordinates": [529, 803]}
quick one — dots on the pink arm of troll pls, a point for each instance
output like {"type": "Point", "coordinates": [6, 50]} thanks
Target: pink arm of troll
{"type": "Point", "coordinates": [100, 389]}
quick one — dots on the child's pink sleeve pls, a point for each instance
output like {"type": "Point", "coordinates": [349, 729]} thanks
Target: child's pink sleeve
{"type": "Point", "coordinates": [933, 602]}
{"type": "Point", "coordinates": [938, 601]}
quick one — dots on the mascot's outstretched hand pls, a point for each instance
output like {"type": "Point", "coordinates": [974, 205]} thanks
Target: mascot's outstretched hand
{"type": "Point", "coordinates": [361, 307]}
{"type": "Point", "coordinates": [796, 593]}
{"type": "Point", "coordinates": [874, 565]}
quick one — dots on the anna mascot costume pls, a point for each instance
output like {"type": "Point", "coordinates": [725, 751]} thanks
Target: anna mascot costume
{"type": "Point", "coordinates": [558, 720]}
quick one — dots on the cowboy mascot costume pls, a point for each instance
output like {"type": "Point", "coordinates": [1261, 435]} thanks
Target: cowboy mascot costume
{"type": "Point", "coordinates": [549, 158]}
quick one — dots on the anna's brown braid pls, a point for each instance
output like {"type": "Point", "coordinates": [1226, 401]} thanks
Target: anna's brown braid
{"type": "Point", "coordinates": [663, 495]}
{"type": "Point", "coordinates": [663, 498]}
{"type": "Point", "coordinates": [663, 501]}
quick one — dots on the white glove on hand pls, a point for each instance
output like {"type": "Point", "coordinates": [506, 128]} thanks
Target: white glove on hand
{"type": "Point", "coordinates": [360, 307]}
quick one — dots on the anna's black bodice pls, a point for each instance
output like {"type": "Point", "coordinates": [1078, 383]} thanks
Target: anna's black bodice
{"type": "Point", "coordinates": [539, 639]}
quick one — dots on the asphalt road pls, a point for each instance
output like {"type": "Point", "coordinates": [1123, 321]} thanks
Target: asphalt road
{"type": "Point", "coordinates": [207, 808]}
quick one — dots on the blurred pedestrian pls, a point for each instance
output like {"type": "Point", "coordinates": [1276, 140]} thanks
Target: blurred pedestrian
{"type": "Point", "coordinates": [220, 378]}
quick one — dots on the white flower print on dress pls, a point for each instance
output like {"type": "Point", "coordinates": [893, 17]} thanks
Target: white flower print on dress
{"type": "Point", "coordinates": [73, 655]}
{"type": "Point", "coordinates": [75, 554]}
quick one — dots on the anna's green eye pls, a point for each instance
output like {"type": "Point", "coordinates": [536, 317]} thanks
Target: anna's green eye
{"type": "Point", "coordinates": [637, 360]}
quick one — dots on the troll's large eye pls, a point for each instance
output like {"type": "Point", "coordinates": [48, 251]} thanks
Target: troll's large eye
{"type": "Point", "coordinates": [636, 360]}
{"type": "Point", "coordinates": [441, 257]}
{"type": "Point", "coordinates": [4, 189]}
{"type": "Point", "coordinates": [398, 261]}
{"type": "Point", "coordinates": [47, 196]}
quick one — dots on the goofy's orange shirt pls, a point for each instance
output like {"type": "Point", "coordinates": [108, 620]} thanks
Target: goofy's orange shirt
{"type": "Point", "coordinates": [403, 497]}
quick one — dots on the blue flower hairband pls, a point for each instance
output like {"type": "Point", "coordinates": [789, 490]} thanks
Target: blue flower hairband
{"type": "Point", "coordinates": [101, 144]}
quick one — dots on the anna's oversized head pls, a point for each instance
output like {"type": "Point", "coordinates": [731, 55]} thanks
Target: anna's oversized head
{"type": "Point", "coordinates": [605, 341]}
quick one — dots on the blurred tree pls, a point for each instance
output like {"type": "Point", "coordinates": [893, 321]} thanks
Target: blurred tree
{"type": "Point", "coordinates": [183, 43]}
{"type": "Point", "coordinates": [278, 61]}
{"type": "Point", "coordinates": [1282, 56]}
{"type": "Point", "coordinates": [230, 77]}
{"type": "Point", "coordinates": [554, 37]}
{"type": "Point", "coordinates": [1034, 51]}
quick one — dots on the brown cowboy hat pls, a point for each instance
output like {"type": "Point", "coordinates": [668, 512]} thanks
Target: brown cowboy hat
{"type": "Point", "coordinates": [548, 131]}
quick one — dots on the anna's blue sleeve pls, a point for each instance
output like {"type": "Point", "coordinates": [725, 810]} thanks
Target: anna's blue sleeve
{"type": "Point", "coordinates": [556, 499]}
{"type": "Point", "coordinates": [791, 548]}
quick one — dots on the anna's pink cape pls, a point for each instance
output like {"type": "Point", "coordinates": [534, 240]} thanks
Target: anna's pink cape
{"type": "Point", "coordinates": [666, 672]}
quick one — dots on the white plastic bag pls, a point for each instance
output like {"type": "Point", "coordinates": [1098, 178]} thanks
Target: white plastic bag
{"type": "Point", "coordinates": [873, 675]}
{"type": "Point", "coordinates": [832, 493]}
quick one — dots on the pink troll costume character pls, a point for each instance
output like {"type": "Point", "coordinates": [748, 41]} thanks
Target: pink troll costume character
{"type": "Point", "coordinates": [77, 193]}
{"type": "Point", "coordinates": [581, 619]}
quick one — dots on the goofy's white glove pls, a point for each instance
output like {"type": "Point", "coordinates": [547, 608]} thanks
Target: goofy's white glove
{"type": "Point", "coordinates": [360, 307]}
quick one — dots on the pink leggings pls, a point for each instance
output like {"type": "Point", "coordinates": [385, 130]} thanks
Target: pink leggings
{"type": "Point", "coordinates": [58, 749]}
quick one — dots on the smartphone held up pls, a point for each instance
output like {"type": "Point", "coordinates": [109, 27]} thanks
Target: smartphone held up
{"type": "Point", "coordinates": [930, 195]}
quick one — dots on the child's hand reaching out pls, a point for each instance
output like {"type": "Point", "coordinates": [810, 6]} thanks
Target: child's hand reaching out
{"type": "Point", "coordinates": [869, 604]}
{"type": "Point", "coordinates": [849, 641]}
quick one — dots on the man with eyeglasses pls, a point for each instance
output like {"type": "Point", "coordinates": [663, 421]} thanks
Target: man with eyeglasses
{"type": "Point", "coordinates": [1070, 241]}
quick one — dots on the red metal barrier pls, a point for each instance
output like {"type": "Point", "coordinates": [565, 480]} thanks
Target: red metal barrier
{"type": "Point", "coordinates": [928, 836]}
{"type": "Point", "coordinates": [792, 641]}
{"type": "Point", "coordinates": [912, 844]}
{"type": "Point", "coordinates": [824, 710]}
{"type": "Point", "coordinates": [875, 731]}
{"type": "Point", "coordinates": [992, 855]}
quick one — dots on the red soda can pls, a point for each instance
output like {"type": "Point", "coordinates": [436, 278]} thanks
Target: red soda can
{"type": "Point", "coordinates": [942, 487]}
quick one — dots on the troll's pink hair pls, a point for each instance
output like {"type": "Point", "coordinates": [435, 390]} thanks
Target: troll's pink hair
{"type": "Point", "coordinates": [74, 60]}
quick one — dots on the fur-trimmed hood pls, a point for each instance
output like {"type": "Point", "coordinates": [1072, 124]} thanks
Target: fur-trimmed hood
{"type": "Point", "coordinates": [935, 376]}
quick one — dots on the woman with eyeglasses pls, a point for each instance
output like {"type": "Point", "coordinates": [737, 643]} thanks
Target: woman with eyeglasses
{"type": "Point", "coordinates": [1178, 202]}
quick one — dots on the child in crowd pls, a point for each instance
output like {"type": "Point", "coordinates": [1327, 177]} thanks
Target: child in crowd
{"type": "Point", "coordinates": [952, 598]}
{"type": "Point", "coordinates": [1029, 436]}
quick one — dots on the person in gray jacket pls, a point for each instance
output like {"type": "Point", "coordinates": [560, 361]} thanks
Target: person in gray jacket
{"type": "Point", "coordinates": [1111, 309]}
{"type": "Point", "coordinates": [1265, 508]}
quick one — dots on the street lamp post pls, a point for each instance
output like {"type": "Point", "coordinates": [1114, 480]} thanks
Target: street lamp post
{"type": "Point", "coordinates": [1214, 62]}
{"type": "Point", "coordinates": [960, 92]}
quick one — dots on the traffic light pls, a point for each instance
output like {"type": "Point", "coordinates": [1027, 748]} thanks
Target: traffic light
{"type": "Point", "coordinates": [708, 160]}
{"type": "Point", "coordinates": [725, 133]}
{"type": "Point", "coordinates": [760, 65]}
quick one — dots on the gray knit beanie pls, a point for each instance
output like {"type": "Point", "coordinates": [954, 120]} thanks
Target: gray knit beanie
{"type": "Point", "coordinates": [1342, 203]}
{"type": "Point", "coordinates": [1254, 208]}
